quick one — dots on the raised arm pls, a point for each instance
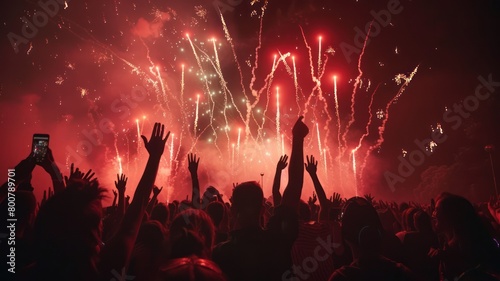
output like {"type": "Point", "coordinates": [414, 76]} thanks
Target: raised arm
{"type": "Point", "coordinates": [152, 202]}
{"type": "Point", "coordinates": [22, 175]}
{"type": "Point", "coordinates": [282, 163]}
{"type": "Point", "coordinates": [293, 190]}
{"type": "Point", "coordinates": [115, 197]}
{"type": "Point", "coordinates": [75, 176]}
{"type": "Point", "coordinates": [121, 186]}
{"type": "Point", "coordinates": [193, 170]}
{"type": "Point", "coordinates": [116, 255]}
{"type": "Point", "coordinates": [50, 166]}
{"type": "Point", "coordinates": [312, 167]}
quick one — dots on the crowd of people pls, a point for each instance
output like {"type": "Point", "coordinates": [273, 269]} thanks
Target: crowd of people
{"type": "Point", "coordinates": [70, 236]}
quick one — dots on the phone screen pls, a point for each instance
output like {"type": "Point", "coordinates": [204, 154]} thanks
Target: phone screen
{"type": "Point", "coordinates": [40, 146]}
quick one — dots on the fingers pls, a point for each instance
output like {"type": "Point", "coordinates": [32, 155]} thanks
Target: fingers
{"type": "Point", "coordinates": [89, 175]}
{"type": "Point", "coordinates": [144, 139]}
{"type": "Point", "coordinates": [284, 158]}
{"type": "Point", "coordinates": [49, 156]}
{"type": "Point", "coordinates": [158, 131]}
{"type": "Point", "coordinates": [123, 178]}
{"type": "Point", "coordinates": [192, 158]}
{"type": "Point", "coordinates": [311, 161]}
{"type": "Point", "coordinates": [154, 133]}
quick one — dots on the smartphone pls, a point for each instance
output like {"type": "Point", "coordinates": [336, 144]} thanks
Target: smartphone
{"type": "Point", "coordinates": [40, 146]}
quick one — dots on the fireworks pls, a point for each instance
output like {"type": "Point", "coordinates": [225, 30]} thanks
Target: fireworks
{"type": "Point", "coordinates": [202, 86]}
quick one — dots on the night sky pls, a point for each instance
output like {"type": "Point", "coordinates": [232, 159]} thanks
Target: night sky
{"type": "Point", "coordinates": [94, 73]}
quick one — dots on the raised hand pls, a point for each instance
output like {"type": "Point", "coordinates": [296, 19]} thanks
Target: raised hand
{"type": "Point", "coordinates": [193, 163]}
{"type": "Point", "coordinates": [382, 205]}
{"type": "Point", "coordinates": [48, 162]}
{"type": "Point", "coordinates": [88, 177]}
{"type": "Point", "coordinates": [369, 198]}
{"type": "Point", "coordinates": [300, 129]}
{"type": "Point", "coordinates": [157, 190]}
{"type": "Point", "coordinates": [50, 166]}
{"type": "Point", "coordinates": [121, 183]}
{"type": "Point", "coordinates": [293, 190]}
{"type": "Point", "coordinates": [152, 203]}
{"type": "Point", "coordinates": [336, 200]}
{"type": "Point", "coordinates": [311, 165]}
{"type": "Point", "coordinates": [79, 176]}
{"type": "Point", "coordinates": [156, 144]}
{"type": "Point", "coordinates": [25, 168]}
{"type": "Point", "coordinates": [313, 199]}
{"type": "Point", "coordinates": [282, 163]}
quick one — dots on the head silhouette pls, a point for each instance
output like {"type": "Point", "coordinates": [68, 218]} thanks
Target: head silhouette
{"type": "Point", "coordinates": [361, 226]}
{"type": "Point", "coordinates": [456, 217]}
{"type": "Point", "coordinates": [191, 269]}
{"type": "Point", "coordinates": [247, 203]}
{"type": "Point", "coordinates": [216, 212]}
{"type": "Point", "coordinates": [192, 233]}
{"type": "Point", "coordinates": [304, 211]}
{"type": "Point", "coordinates": [68, 226]}
{"type": "Point", "coordinates": [160, 213]}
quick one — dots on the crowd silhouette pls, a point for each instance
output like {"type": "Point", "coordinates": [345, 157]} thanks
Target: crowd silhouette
{"type": "Point", "coordinates": [70, 236]}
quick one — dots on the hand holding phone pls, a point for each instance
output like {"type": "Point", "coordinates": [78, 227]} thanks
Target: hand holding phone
{"type": "Point", "coordinates": [40, 147]}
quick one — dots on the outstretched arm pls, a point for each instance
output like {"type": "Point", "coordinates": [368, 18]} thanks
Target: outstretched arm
{"type": "Point", "coordinates": [22, 175]}
{"type": "Point", "coordinates": [118, 251]}
{"type": "Point", "coordinates": [152, 202]}
{"type": "Point", "coordinates": [121, 186]}
{"type": "Point", "coordinates": [193, 170]}
{"type": "Point", "coordinates": [293, 190]}
{"type": "Point", "coordinates": [282, 163]}
{"type": "Point", "coordinates": [50, 166]}
{"type": "Point", "coordinates": [115, 197]}
{"type": "Point", "coordinates": [312, 167]}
